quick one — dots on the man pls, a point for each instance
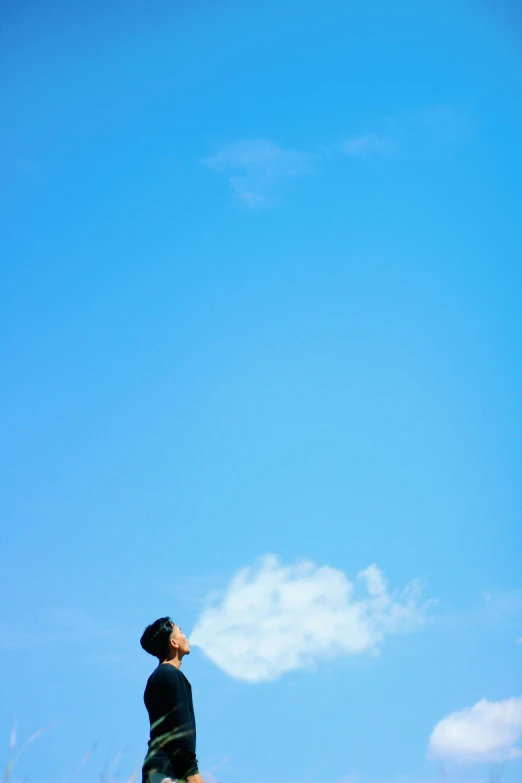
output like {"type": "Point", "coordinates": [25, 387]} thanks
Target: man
{"type": "Point", "coordinates": [168, 699]}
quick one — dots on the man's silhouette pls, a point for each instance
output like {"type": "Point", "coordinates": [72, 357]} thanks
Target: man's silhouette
{"type": "Point", "coordinates": [168, 699]}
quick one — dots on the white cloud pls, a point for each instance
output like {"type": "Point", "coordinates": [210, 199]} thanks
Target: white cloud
{"type": "Point", "coordinates": [274, 618]}
{"type": "Point", "coordinates": [256, 168]}
{"type": "Point", "coordinates": [488, 731]}
{"type": "Point", "coordinates": [431, 131]}
{"type": "Point", "coordinates": [359, 146]}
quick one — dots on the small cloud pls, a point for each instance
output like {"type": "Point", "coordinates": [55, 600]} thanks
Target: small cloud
{"type": "Point", "coordinates": [369, 143]}
{"type": "Point", "coordinates": [256, 168]}
{"type": "Point", "coordinates": [502, 603]}
{"type": "Point", "coordinates": [487, 731]}
{"type": "Point", "coordinates": [272, 618]}
{"type": "Point", "coordinates": [432, 131]}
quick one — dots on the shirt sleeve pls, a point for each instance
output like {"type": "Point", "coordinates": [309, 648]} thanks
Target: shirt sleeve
{"type": "Point", "coordinates": [179, 732]}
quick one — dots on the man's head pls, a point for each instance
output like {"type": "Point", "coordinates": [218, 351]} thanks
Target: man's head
{"type": "Point", "coordinates": [165, 640]}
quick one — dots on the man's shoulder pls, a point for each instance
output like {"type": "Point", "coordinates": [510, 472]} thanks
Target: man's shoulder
{"type": "Point", "coordinates": [165, 671]}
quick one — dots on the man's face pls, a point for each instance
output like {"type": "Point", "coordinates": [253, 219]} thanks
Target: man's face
{"type": "Point", "coordinates": [181, 641]}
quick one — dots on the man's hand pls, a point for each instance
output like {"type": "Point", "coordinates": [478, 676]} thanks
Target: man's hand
{"type": "Point", "coordinates": [195, 779]}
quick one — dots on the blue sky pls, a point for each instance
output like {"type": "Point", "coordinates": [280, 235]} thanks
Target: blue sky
{"type": "Point", "coordinates": [260, 308]}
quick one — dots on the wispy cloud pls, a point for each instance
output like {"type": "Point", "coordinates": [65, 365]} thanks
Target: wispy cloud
{"type": "Point", "coordinates": [367, 144]}
{"type": "Point", "coordinates": [257, 168]}
{"type": "Point", "coordinates": [487, 731]}
{"type": "Point", "coordinates": [495, 609]}
{"type": "Point", "coordinates": [402, 778]}
{"type": "Point", "coordinates": [274, 618]}
{"type": "Point", "coordinates": [431, 131]}
{"type": "Point", "coordinates": [440, 778]}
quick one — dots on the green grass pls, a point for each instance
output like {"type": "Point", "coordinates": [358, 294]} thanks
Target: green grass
{"type": "Point", "coordinates": [13, 757]}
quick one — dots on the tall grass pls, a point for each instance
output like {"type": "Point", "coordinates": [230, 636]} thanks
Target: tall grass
{"type": "Point", "coordinates": [496, 771]}
{"type": "Point", "coordinates": [105, 775]}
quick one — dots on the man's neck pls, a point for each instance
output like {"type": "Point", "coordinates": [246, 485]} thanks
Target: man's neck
{"type": "Point", "coordinates": [174, 662]}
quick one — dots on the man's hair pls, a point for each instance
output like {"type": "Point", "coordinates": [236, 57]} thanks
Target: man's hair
{"type": "Point", "coordinates": [156, 636]}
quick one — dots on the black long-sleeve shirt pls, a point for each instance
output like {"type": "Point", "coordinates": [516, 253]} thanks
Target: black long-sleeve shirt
{"type": "Point", "coordinates": [172, 743]}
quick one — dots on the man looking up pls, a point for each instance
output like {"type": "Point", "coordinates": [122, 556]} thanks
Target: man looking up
{"type": "Point", "coordinates": [168, 699]}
